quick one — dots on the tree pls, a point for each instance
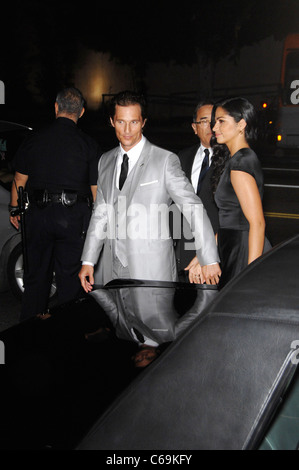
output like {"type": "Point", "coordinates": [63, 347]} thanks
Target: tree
{"type": "Point", "coordinates": [38, 50]}
{"type": "Point", "coordinates": [44, 36]}
{"type": "Point", "coordinates": [189, 32]}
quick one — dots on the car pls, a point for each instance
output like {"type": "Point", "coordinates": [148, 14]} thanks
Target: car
{"type": "Point", "coordinates": [11, 253]}
{"type": "Point", "coordinates": [12, 135]}
{"type": "Point", "coordinates": [226, 379]}
{"type": "Point", "coordinates": [11, 262]}
{"type": "Point", "coordinates": [229, 382]}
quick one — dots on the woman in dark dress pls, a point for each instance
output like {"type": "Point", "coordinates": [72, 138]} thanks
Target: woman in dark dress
{"type": "Point", "coordinates": [241, 236]}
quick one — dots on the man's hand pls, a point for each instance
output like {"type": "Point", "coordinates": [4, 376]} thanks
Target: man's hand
{"type": "Point", "coordinates": [195, 271]}
{"type": "Point", "coordinates": [86, 277]}
{"type": "Point", "coordinates": [211, 273]}
{"type": "Point", "coordinates": [15, 221]}
{"type": "Point", "coordinates": [19, 180]}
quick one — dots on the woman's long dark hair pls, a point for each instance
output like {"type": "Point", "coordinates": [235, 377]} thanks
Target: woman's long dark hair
{"type": "Point", "coordinates": [238, 108]}
{"type": "Point", "coordinates": [220, 156]}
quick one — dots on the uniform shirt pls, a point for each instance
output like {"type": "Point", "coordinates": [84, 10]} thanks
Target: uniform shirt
{"type": "Point", "coordinates": [58, 157]}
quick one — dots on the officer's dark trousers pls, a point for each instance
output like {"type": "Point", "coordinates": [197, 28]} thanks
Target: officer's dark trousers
{"type": "Point", "coordinates": [55, 236]}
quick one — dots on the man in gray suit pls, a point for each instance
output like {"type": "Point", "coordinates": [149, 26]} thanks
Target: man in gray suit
{"type": "Point", "coordinates": [129, 227]}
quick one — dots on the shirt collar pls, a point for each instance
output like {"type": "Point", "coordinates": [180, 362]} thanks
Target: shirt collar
{"type": "Point", "coordinates": [66, 121]}
{"type": "Point", "coordinates": [202, 148]}
{"type": "Point", "coordinates": [135, 151]}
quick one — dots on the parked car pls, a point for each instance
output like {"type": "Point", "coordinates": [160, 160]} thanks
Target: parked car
{"type": "Point", "coordinates": [11, 264]}
{"type": "Point", "coordinates": [229, 382]}
{"type": "Point", "coordinates": [12, 135]}
{"type": "Point", "coordinates": [227, 376]}
{"type": "Point", "coordinates": [11, 255]}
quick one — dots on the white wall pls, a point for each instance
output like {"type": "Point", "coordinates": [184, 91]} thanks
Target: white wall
{"type": "Point", "coordinates": [97, 75]}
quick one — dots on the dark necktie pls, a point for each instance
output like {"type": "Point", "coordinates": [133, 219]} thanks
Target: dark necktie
{"type": "Point", "coordinates": [123, 171]}
{"type": "Point", "coordinates": [204, 169]}
{"type": "Point", "coordinates": [139, 335]}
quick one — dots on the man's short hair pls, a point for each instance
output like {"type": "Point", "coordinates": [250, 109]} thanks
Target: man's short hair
{"type": "Point", "coordinates": [200, 105]}
{"type": "Point", "coordinates": [70, 101]}
{"type": "Point", "coordinates": [128, 98]}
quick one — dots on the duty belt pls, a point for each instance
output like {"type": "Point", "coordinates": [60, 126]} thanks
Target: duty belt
{"type": "Point", "coordinates": [66, 197]}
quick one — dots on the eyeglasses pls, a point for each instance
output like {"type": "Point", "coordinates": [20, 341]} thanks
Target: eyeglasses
{"type": "Point", "coordinates": [203, 122]}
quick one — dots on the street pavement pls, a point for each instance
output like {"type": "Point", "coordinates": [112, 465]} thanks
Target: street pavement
{"type": "Point", "coordinates": [55, 383]}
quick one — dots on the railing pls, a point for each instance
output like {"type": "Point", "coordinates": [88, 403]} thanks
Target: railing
{"type": "Point", "coordinates": [180, 104]}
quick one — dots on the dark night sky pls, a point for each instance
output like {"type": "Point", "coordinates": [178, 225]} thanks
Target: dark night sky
{"type": "Point", "coordinates": [44, 36]}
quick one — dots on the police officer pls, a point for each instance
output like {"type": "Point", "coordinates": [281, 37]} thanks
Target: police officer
{"type": "Point", "coordinates": [58, 167]}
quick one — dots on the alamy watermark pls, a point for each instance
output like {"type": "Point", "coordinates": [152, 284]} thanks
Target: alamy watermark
{"type": "Point", "coordinates": [295, 94]}
{"type": "Point", "coordinates": [2, 353]}
{"type": "Point", "coordinates": [295, 354]}
{"type": "Point", "coordinates": [2, 92]}
{"type": "Point", "coordinates": [149, 222]}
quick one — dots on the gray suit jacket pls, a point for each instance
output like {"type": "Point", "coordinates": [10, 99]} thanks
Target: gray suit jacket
{"type": "Point", "coordinates": [157, 179]}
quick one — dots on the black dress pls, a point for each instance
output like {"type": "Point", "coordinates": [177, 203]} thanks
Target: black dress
{"type": "Point", "coordinates": [233, 225]}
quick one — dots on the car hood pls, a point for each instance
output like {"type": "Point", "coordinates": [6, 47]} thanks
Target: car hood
{"type": "Point", "coordinates": [12, 126]}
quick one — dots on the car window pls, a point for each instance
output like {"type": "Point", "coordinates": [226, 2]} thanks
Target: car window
{"type": "Point", "coordinates": [10, 140]}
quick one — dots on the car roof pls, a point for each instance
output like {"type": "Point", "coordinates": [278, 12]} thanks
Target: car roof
{"type": "Point", "coordinates": [12, 126]}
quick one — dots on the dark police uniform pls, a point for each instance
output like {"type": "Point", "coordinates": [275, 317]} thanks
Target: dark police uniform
{"type": "Point", "coordinates": [61, 163]}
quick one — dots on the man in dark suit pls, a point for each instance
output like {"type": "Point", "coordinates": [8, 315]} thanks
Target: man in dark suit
{"type": "Point", "coordinates": [196, 163]}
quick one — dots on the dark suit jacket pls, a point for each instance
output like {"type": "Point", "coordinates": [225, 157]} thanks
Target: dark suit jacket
{"type": "Point", "coordinates": [186, 157]}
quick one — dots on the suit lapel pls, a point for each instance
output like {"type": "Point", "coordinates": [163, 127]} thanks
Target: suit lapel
{"type": "Point", "coordinates": [108, 170]}
{"type": "Point", "coordinates": [138, 170]}
{"type": "Point", "coordinates": [187, 162]}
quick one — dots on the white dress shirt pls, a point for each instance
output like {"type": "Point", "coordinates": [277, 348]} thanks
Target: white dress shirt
{"type": "Point", "coordinates": [133, 154]}
{"type": "Point", "coordinates": [196, 167]}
